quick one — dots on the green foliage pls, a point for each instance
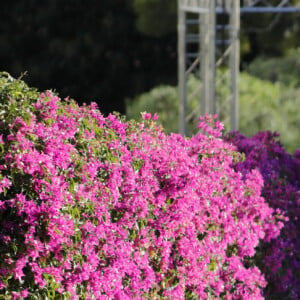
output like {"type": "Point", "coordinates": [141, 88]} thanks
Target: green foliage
{"type": "Point", "coordinates": [87, 50]}
{"type": "Point", "coordinates": [285, 70]}
{"type": "Point", "coordinates": [267, 106]}
{"type": "Point", "coordinates": [161, 99]}
{"type": "Point", "coordinates": [263, 106]}
{"type": "Point", "coordinates": [164, 100]}
{"type": "Point", "coordinates": [155, 17]}
{"type": "Point", "coordinates": [15, 99]}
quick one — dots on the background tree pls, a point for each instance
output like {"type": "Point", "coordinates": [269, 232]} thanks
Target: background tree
{"type": "Point", "coordinates": [156, 17]}
{"type": "Point", "coordinates": [86, 49]}
{"type": "Point", "coordinates": [109, 50]}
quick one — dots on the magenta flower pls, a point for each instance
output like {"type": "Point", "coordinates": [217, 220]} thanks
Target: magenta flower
{"type": "Point", "coordinates": [98, 208]}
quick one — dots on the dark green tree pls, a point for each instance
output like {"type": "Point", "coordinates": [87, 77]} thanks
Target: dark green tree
{"type": "Point", "coordinates": [86, 49]}
{"type": "Point", "coordinates": [156, 17]}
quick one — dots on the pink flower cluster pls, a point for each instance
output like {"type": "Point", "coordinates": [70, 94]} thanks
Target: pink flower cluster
{"type": "Point", "coordinates": [94, 207]}
{"type": "Point", "coordinates": [279, 260]}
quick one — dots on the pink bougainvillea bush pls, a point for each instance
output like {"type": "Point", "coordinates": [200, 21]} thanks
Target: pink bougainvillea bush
{"type": "Point", "coordinates": [279, 260]}
{"type": "Point", "coordinates": [94, 207]}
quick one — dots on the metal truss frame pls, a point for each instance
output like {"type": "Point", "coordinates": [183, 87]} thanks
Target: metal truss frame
{"type": "Point", "coordinates": [208, 56]}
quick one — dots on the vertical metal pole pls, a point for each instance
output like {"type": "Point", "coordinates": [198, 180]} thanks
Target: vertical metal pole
{"type": "Point", "coordinates": [212, 57]}
{"type": "Point", "coordinates": [234, 64]}
{"type": "Point", "coordinates": [181, 68]}
{"type": "Point", "coordinates": [204, 58]}
{"type": "Point", "coordinates": [208, 60]}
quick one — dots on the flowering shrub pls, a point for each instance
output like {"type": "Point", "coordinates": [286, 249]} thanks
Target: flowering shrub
{"type": "Point", "coordinates": [94, 207]}
{"type": "Point", "coordinates": [279, 260]}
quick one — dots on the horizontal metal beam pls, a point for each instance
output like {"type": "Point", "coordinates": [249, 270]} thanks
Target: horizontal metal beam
{"type": "Point", "coordinates": [192, 21]}
{"type": "Point", "coordinates": [262, 9]}
{"type": "Point", "coordinates": [192, 55]}
{"type": "Point", "coordinates": [249, 9]}
{"type": "Point", "coordinates": [194, 9]}
{"type": "Point", "coordinates": [269, 9]}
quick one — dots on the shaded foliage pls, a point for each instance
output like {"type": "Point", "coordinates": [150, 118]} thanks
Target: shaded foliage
{"type": "Point", "coordinates": [87, 49]}
{"type": "Point", "coordinates": [285, 69]}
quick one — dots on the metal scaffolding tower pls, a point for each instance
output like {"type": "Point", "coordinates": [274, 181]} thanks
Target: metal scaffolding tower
{"type": "Point", "coordinates": [208, 44]}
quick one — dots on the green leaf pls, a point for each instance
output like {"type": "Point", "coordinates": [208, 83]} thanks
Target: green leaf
{"type": "Point", "coordinates": [212, 265]}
